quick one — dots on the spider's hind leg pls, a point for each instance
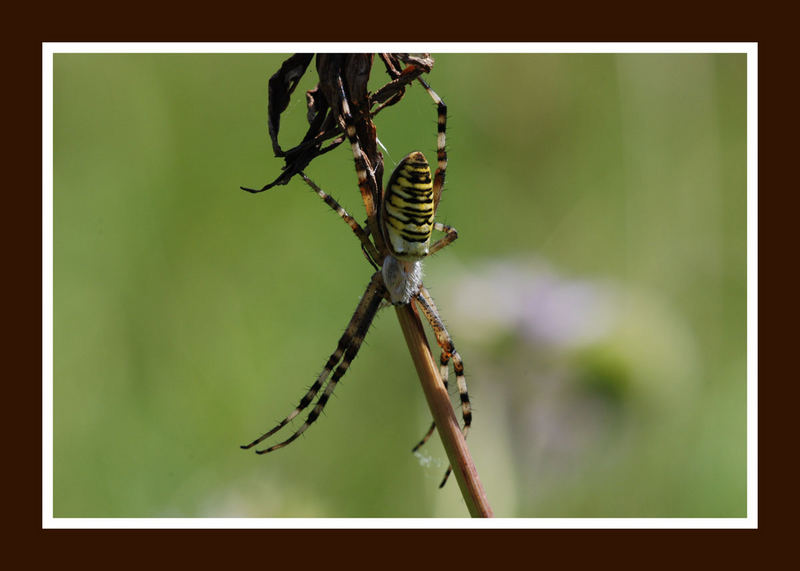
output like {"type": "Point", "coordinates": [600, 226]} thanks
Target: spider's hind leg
{"type": "Point", "coordinates": [444, 371]}
{"type": "Point", "coordinates": [448, 352]}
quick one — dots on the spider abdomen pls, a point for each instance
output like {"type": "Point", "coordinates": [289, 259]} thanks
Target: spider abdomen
{"type": "Point", "coordinates": [408, 208]}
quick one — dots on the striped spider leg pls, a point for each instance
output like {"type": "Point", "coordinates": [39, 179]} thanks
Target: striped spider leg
{"type": "Point", "coordinates": [448, 352]}
{"type": "Point", "coordinates": [346, 351]}
{"type": "Point", "coordinates": [370, 252]}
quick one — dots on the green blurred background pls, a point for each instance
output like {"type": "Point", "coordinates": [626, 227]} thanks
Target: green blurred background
{"type": "Point", "coordinates": [597, 292]}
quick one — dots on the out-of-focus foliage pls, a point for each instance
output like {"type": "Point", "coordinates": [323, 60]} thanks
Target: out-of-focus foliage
{"type": "Point", "coordinates": [596, 292]}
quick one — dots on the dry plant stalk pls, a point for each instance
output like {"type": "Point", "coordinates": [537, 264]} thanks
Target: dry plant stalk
{"type": "Point", "coordinates": [446, 423]}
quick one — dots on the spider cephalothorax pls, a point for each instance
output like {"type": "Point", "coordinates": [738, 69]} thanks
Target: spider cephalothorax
{"type": "Point", "coordinates": [396, 240]}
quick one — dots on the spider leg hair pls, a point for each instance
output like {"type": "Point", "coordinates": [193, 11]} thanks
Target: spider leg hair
{"type": "Point", "coordinates": [346, 351]}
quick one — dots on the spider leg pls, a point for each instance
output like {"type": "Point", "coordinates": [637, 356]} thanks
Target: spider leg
{"type": "Point", "coordinates": [448, 352]}
{"type": "Point", "coordinates": [425, 438]}
{"type": "Point", "coordinates": [367, 184]}
{"type": "Point", "coordinates": [441, 169]}
{"type": "Point", "coordinates": [444, 373]}
{"type": "Point", "coordinates": [449, 237]}
{"type": "Point", "coordinates": [444, 361]}
{"type": "Point", "coordinates": [360, 233]}
{"type": "Point", "coordinates": [441, 140]}
{"type": "Point", "coordinates": [346, 351]}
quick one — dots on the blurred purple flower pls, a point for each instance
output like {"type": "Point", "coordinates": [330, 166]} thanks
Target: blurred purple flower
{"type": "Point", "coordinates": [532, 301]}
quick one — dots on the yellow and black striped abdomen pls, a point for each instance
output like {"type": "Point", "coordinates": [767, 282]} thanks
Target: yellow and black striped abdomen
{"type": "Point", "coordinates": [408, 208]}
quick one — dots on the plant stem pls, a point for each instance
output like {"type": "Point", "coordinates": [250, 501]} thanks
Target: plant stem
{"type": "Point", "coordinates": [446, 423]}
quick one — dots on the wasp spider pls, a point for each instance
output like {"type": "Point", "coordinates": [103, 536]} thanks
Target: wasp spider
{"type": "Point", "coordinates": [396, 239]}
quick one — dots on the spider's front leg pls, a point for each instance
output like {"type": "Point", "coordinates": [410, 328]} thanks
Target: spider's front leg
{"type": "Point", "coordinates": [370, 251]}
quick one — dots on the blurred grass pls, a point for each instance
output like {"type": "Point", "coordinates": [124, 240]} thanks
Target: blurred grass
{"type": "Point", "coordinates": [189, 315]}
